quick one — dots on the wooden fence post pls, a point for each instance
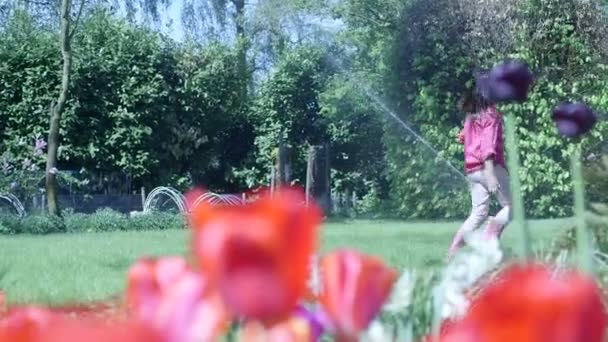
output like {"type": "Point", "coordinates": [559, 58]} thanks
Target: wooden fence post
{"type": "Point", "coordinates": [143, 197]}
{"type": "Point", "coordinates": [318, 177]}
{"type": "Point", "coordinates": [283, 165]}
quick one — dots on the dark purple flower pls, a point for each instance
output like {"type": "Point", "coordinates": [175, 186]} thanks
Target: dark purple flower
{"type": "Point", "coordinates": [573, 119]}
{"type": "Point", "coordinates": [506, 82]}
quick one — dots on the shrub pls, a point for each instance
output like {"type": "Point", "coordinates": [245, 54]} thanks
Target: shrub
{"type": "Point", "coordinates": [103, 220]}
{"type": "Point", "coordinates": [32, 224]}
{"type": "Point", "coordinates": [156, 221]}
{"type": "Point", "coordinates": [106, 220]}
{"type": "Point", "coordinates": [9, 224]}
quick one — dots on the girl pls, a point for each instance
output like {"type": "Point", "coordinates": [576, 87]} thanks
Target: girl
{"type": "Point", "coordinates": [485, 168]}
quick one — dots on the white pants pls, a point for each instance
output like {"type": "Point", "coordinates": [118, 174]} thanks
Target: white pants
{"type": "Point", "coordinates": [480, 203]}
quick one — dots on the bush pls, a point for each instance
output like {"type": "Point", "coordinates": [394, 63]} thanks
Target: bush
{"type": "Point", "coordinates": [9, 224]}
{"type": "Point", "coordinates": [156, 221]}
{"type": "Point", "coordinates": [103, 220]}
{"type": "Point", "coordinates": [33, 224]}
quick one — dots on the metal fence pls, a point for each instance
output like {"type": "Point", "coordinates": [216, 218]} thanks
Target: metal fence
{"type": "Point", "coordinates": [89, 203]}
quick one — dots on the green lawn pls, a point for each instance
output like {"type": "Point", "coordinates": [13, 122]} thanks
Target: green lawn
{"type": "Point", "coordinates": [57, 269]}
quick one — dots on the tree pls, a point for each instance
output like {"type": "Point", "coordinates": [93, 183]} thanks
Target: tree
{"type": "Point", "coordinates": [67, 28]}
{"type": "Point", "coordinates": [287, 111]}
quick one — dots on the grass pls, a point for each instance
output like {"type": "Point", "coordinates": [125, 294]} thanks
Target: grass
{"type": "Point", "coordinates": [65, 268]}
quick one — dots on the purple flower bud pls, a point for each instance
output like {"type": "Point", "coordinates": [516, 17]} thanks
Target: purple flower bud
{"type": "Point", "coordinates": [573, 119]}
{"type": "Point", "coordinates": [507, 82]}
{"type": "Point", "coordinates": [315, 320]}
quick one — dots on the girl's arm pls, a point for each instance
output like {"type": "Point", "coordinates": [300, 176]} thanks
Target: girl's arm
{"type": "Point", "coordinates": [461, 136]}
{"type": "Point", "coordinates": [489, 137]}
{"type": "Point", "coordinates": [489, 145]}
{"type": "Point", "coordinates": [490, 175]}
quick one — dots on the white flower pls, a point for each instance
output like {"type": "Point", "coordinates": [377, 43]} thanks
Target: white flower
{"type": "Point", "coordinates": [314, 280]}
{"type": "Point", "coordinates": [376, 333]}
{"type": "Point", "coordinates": [401, 295]}
{"type": "Point", "coordinates": [464, 271]}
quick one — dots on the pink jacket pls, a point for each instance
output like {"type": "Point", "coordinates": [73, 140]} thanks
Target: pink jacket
{"type": "Point", "coordinates": [482, 137]}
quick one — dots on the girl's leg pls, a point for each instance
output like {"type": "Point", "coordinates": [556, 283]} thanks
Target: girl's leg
{"type": "Point", "coordinates": [480, 202]}
{"type": "Point", "coordinates": [497, 225]}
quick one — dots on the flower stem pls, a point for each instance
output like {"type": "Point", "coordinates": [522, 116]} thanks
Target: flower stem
{"type": "Point", "coordinates": [583, 241]}
{"type": "Point", "coordinates": [517, 205]}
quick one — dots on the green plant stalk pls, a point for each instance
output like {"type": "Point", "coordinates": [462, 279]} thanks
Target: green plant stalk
{"type": "Point", "coordinates": [583, 240]}
{"type": "Point", "coordinates": [517, 205]}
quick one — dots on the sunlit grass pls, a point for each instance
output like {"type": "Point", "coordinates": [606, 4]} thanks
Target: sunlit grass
{"type": "Point", "coordinates": [64, 268]}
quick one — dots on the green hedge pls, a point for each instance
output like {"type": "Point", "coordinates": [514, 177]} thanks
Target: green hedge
{"type": "Point", "coordinates": [104, 220]}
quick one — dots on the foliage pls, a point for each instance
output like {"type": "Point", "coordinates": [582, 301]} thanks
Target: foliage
{"type": "Point", "coordinates": [32, 224]}
{"type": "Point", "coordinates": [596, 175]}
{"type": "Point", "coordinates": [287, 110]}
{"type": "Point", "coordinates": [138, 101]}
{"type": "Point", "coordinates": [428, 56]}
{"type": "Point", "coordinates": [168, 112]}
{"type": "Point", "coordinates": [103, 220]}
{"type": "Point", "coordinates": [355, 130]}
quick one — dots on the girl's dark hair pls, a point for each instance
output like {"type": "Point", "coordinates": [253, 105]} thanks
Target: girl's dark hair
{"type": "Point", "coordinates": [467, 101]}
{"type": "Point", "coordinates": [480, 99]}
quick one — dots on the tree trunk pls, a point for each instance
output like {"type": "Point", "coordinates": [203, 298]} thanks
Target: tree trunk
{"type": "Point", "coordinates": [242, 45]}
{"type": "Point", "coordinates": [283, 166]}
{"type": "Point", "coordinates": [318, 184]}
{"type": "Point", "coordinates": [57, 110]}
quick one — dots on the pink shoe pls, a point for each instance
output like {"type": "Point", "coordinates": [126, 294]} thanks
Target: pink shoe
{"type": "Point", "coordinates": [493, 229]}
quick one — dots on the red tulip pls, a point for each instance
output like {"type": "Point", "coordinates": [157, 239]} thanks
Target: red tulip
{"type": "Point", "coordinates": [354, 290]}
{"type": "Point", "coordinates": [25, 324]}
{"type": "Point", "coordinates": [32, 324]}
{"type": "Point", "coordinates": [190, 311]}
{"type": "Point", "coordinates": [170, 297]}
{"type": "Point", "coordinates": [532, 304]}
{"type": "Point", "coordinates": [258, 254]}
{"type": "Point", "coordinates": [148, 280]}
{"type": "Point", "coordinates": [95, 331]}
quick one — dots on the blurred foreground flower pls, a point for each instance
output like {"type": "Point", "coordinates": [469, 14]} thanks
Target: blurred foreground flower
{"type": "Point", "coordinates": [401, 295]}
{"type": "Point", "coordinates": [170, 297]}
{"type": "Point", "coordinates": [25, 324]}
{"type": "Point", "coordinates": [506, 82]}
{"type": "Point", "coordinates": [354, 289]}
{"type": "Point", "coordinates": [148, 280]}
{"type": "Point", "coordinates": [95, 331]}
{"type": "Point", "coordinates": [377, 332]}
{"type": "Point", "coordinates": [32, 324]}
{"type": "Point", "coordinates": [573, 119]}
{"type": "Point", "coordinates": [295, 329]}
{"type": "Point", "coordinates": [532, 303]}
{"type": "Point", "coordinates": [258, 254]}
{"type": "Point", "coordinates": [463, 272]}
